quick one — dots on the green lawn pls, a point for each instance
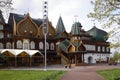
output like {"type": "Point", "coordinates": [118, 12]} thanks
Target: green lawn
{"type": "Point", "coordinates": [30, 75]}
{"type": "Point", "coordinates": [110, 74]}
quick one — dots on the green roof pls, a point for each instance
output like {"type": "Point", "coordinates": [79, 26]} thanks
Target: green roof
{"type": "Point", "coordinates": [60, 26]}
{"type": "Point", "coordinates": [76, 44]}
{"type": "Point", "coordinates": [19, 17]}
{"type": "Point", "coordinates": [78, 24]}
{"type": "Point", "coordinates": [98, 34]}
{"type": "Point", "coordinates": [75, 30]}
{"type": "Point", "coordinates": [64, 45]}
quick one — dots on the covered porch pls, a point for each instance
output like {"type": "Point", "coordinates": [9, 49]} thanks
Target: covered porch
{"type": "Point", "coordinates": [15, 57]}
{"type": "Point", "coordinates": [71, 54]}
{"type": "Point", "coordinates": [76, 58]}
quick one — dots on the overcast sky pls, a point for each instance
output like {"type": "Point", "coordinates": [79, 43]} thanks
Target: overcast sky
{"type": "Point", "coordinates": [66, 8]}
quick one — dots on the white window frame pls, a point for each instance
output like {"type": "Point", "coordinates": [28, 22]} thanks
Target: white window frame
{"type": "Point", "coordinates": [32, 45]}
{"type": "Point", "coordinates": [8, 45]}
{"type": "Point", "coordinates": [99, 48]}
{"type": "Point", "coordinates": [19, 44]}
{"type": "Point", "coordinates": [40, 45]}
{"type": "Point", "coordinates": [52, 46]}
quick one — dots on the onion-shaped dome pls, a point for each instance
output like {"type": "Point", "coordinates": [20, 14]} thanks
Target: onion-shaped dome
{"type": "Point", "coordinates": [27, 27]}
{"type": "Point", "coordinates": [76, 27]}
{"type": "Point", "coordinates": [98, 34]}
{"type": "Point", "coordinates": [51, 31]}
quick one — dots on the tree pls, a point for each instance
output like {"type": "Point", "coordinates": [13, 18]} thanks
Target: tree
{"type": "Point", "coordinates": [114, 59]}
{"type": "Point", "coordinates": [108, 13]}
{"type": "Point", "coordinates": [116, 56]}
{"type": "Point", "coordinates": [6, 7]}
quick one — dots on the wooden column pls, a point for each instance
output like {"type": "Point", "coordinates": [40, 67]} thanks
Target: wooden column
{"type": "Point", "coordinates": [30, 60]}
{"type": "Point", "coordinates": [69, 59]}
{"type": "Point", "coordinates": [15, 61]}
{"type": "Point", "coordinates": [75, 59]}
{"type": "Point", "coordinates": [83, 58]}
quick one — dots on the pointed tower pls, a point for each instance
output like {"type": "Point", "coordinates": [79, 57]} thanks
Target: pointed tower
{"type": "Point", "coordinates": [60, 26]}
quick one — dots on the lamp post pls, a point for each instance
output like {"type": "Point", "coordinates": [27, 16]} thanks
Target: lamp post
{"type": "Point", "coordinates": [45, 27]}
{"type": "Point", "coordinates": [45, 31]}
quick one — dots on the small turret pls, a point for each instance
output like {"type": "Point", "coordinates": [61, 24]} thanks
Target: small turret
{"type": "Point", "coordinates": [76, 28]}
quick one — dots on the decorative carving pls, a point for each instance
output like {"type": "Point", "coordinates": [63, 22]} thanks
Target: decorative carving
{"type": "Point", "coordinates": [51, 31]}
{"type": "Point", "coordinates": [27, 27]}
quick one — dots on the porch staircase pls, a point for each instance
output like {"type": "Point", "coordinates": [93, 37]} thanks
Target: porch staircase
{"type": "Point", "coordinates": [64, 57]}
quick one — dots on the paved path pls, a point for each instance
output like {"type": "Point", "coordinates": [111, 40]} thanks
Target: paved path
{"type": "Point", "coordinates": [86, 72]}
{"type": "Point", "coordinates": [75, 73]}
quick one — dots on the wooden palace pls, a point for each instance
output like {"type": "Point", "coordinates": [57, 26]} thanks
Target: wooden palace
{"type": "Point", "coordinates": [22, 43]}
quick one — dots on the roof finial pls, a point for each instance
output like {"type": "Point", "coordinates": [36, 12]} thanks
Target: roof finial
{"type": "Point", "coordinates": [76, 16]}
{"type": "Point", "coordinates": [60, 14]}
{"type": "Point", "coordinates": [28, 10]}
{"type": "Point", "coordinates": [25, 12]}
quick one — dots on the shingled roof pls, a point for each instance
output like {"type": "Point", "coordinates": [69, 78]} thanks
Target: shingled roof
{"type": "Point", "coordinates": [75, 30]}
{"type": "Point", "coordinates": [19, 17]}
{"type": "Point", "coordinates": [60, 26]}
{"type": "Point", "coordinates": [64, 45]}
{"type": "Point", "coordinates": [98, 34]}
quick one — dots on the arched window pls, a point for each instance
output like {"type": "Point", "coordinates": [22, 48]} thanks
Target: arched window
{"type": "Point", "coordinates": [32, 45]}
{"type": "Point", "coordinates": [52, 46]}
{"type": "Point", "coordinates": [26, 44]}
{"type": "Point", "coordinates": [19, 44]}
{"type": "Point", "coordinates": [47, 45]}
{"type": "Point", "coordinates": [1, 45]}
{"type": "Point", "coordinates": [99, 48]}
{"type": "Point", "coordinates": [41, 45]}
{"type": "Point", "coordinates": [1, 35]}
{"type": "Point", "coordinates": [8, 45]}
{"type": "Point", "coordinates": [103, 49]}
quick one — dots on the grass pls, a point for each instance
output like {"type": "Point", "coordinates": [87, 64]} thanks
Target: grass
{"type": "Point", "coordinates": [110, 74]}
{"type": "Point", "coordinates": [30, 75]}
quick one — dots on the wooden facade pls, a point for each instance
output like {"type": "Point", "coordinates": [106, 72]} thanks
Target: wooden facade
{"type": "Point", "coordinates": [25, 33]}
